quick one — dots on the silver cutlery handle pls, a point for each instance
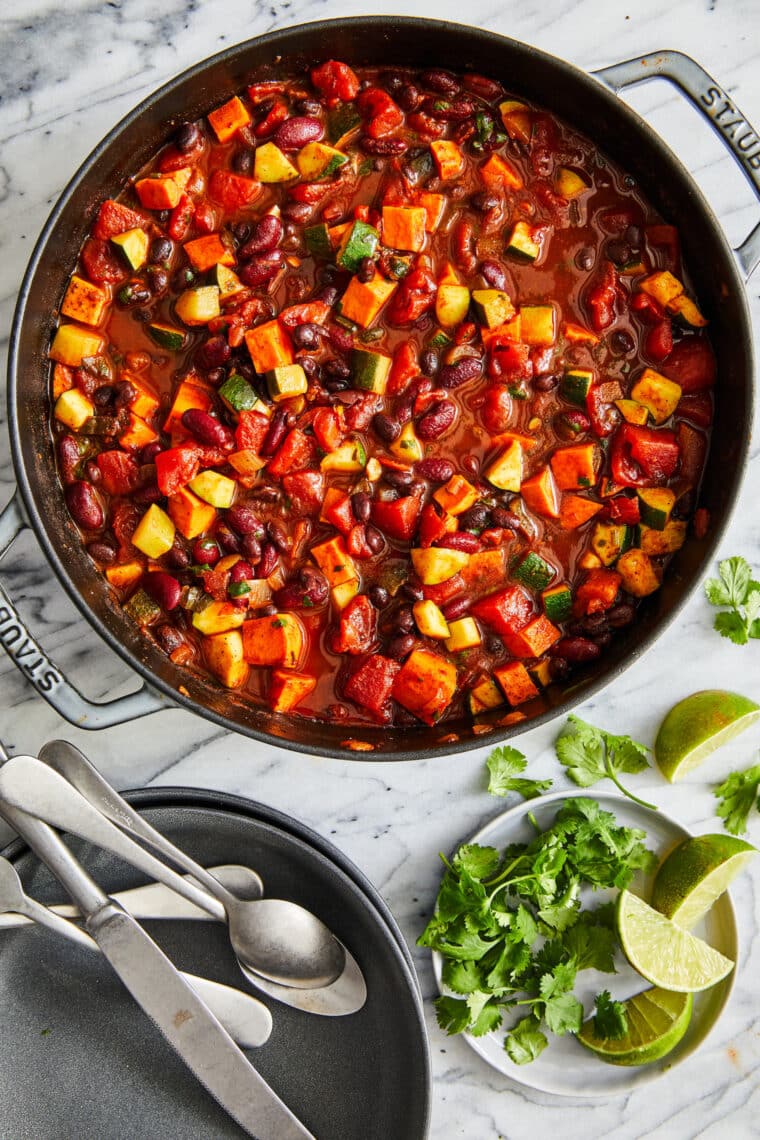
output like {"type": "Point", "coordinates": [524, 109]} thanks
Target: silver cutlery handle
{"type": "Point", "coordinates": [74, 766]}
{"type": "Point", "coordinates": [28, 784]}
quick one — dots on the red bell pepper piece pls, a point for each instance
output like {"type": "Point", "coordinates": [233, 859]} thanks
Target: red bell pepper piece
{"type": "Point", "coordinates": [659, 341]}
{"type": "Point", "coordinates": [646, 308]}
{"type": "Point", "coordinates": [643, 456]}
{"type": "Point", "coordinates": [692, 364]}
{"type": "Point", "coordinates": [337, 511]}
{"type": "Point", "coordinates": [444, 591]}
{"type": "Point", "coordinates": [176, 467]}
{"type": "Point", "coordinates": [276, 114]}
{"type": "Point", "coordinates": [335, 81]}
{"type": "Point", "coordinates": [306, 490]}
{"type": "Point", "coordinates": [397, 518]}
{"type": "Point", "coordinates": [432, 525]}
{"type": "Point", "coordinates": [119, 471]}
{"type": "Point", "coordinates": [597, 593]}
{"type": "Point", "coordinates": [507, 611]}
{"type": "Point", "coordinates": [511, 362]}
{"type": "Point", "coordinates": [371, 685]}
{"type": "Point", "coordinates": [358, 627]}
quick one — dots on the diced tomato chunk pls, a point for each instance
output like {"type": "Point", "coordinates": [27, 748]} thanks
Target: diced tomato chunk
{"type": "Point", "coordinates": [357, 629]}
{"type": "Point", "coordinates": [120, 474]}
{"type": "Point", "coordinates": [101, 264]}
{"type": "Point", "coordinates": [328, 429]}
{"type": "Point", "coordinates": [597, 593]}
{"type": "Point", "coordinates": [251, 430]}
{"type": "Point", "coordinates": [116, 218]}
{"type": "Point", "coordinates": [232, 190]}
{"type": "Point", "coordinates": [602, 297]}
{"type": "Point", "coordinates": [624, 510]}
{"type": "Point", "coordinates": [305, 490]}
{"type": "Point", "coordinates": [380, 111]}
{"type": "Point", "coordinates": [176, 467]}
{"type": "Point", "coordinates": [296, 453]}
{"type": "Point", "coordinates": [692, 364]}
{"type": "Point", "coordinates": [336, 81]}
{"type": "Point", "coordinates": [643, 456]}
{"type": "Point", "coordinates": [371, 685]}
{"type": "Point", "coordinates": [397, 518]}
{"type": "Point", "coordinates": [506, 611]}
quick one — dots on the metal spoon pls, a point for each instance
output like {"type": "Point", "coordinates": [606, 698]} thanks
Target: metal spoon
{"type": "Point", "coordinates": [155, 901]}
{"type": "Point", "coordinates": [246, 1019]}
{"type": "Point", "coordinates": [275, 938]}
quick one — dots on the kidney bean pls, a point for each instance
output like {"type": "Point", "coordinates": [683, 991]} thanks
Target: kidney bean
{"type": "Point", "coordinates": [400, 647]}
{"type": "Point", "coordinates": [342, 339]}
{"type": "Point", "coordinates": [379, 597]}
{"type": "Point", "coordinates": [266, 235]}
{"type": "Point", "coordinates": [158, 279]}
{"type": "Point", "coordinates": [315, 583]}
{"type": "Point", "coordinates": [361, 505]}
{"type": "Point", "coordinates": [214, 353]}
{"type": "Point", "coordinates": [124, 394]}
{"type": "Point", "coordinates": [83, 506]}
{"type": "Point", "coordinates": [620, 615]}
{"type": "Point", "coordinates": [205, 552]}
{"type": "Point", "coordinates": [505, 519]}
{"type": "Point", "coordinates": [328, 294]}
{"type": "Point", "coordinates": [462, 540]}
{"type": "Point", "coordinates": [559, 668]}
{"type": "Point", "coordinates": [275, 435]}
{"type": "Point", "coordinates": [429, 362]}
{"type": "Point", "coordinates": [168, 637]}
{"type": "Point", "coordinates": [150, 493]}
{"type": "Point", "coordinates": [278, 533]}
{"type": "Point", "coordinates": [455, 111]}
{"type": "Point", "coordinates": [242, 161]}
{"type": "Point", "coordinates": [464, 370]}
{"type": "Point", "coordinates": [244, 520]}
{"type": "Point", "coordinates": [387, 429]}
{"type": "Point", "coordinates": [494, 273]}
{"type": "Point", "coordinates": [242, 571]}
{"type": "Point", "coordinates": [102, 552]}
{"type": "Point", "coordinates": [440, 81]}
{"type": "Point", "coordinates": [208, 430]}
{"type": "Point", "coordinates": [437, 419]}
{"type": "Point", "coordinates": [366, 270]}
{"type": "Point", "coordinates": [463, 247]}
{"type": "Point", "coordinates": [482, 201]}
{"type": "Point", "coordinates": [178, 556]}
{"type": "Point", "coordinates": [269, 557]}
{"type": "Point", "coordinates": [68, 458]}
{"type": "Point", "coordinates": [545, 383]}
{"type": "Point", "coordinates": [297, 132]}
{"type": "Point", "coordinates": [487, 89]}
{"type": "Point", "coordinates": [409, 98]}
{"type": "Point", "coordinates": [383, 147]}
{"type": "Point", "coordinates": [456, 608]}
{"type": "Point", "coordinates": [374, 539]}
{"type": "Point", "coordinates": [593, 624]}
{"type": "Point", "coordinates": [412, 591]}
{"type": "Point", "coordinates": [292, 597]}
{"type": "Point", "coordinates": [188, 137]}
{"type": "Point", "coordinates": [437, 470]}
{"type": "Point", "coordinates": [470, 465]}
{"type": "Point", "coordinates": [298, 212]}
{"type": "Point", "coordinates": [227, 539]}
{"type": "Point", "coordinates": [163, 589]}
{"type": "Point", "coordinates": [93, 472]}
{"type": "Point", "coordinates": [250, 546]}
{"type": "Point", "coordinates": [576, 650]}
{"type": "Point", "coordinates": [262, 268]}
{"type": "Point", "coordinates": [475, 518]}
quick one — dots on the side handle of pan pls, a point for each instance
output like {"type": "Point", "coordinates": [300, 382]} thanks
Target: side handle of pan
{"type": "Point", "coordinates": [715, 105]}
{"type": "Point", "coordinates": [47, 678]}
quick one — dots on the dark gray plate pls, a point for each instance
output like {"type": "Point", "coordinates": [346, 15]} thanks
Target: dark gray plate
{"type": "Point", "coordinates": [78, 1059]}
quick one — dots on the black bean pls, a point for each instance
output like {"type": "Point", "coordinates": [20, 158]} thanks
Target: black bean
{"type": "Point", "coordinates": [161, 250]}
{"type": "Point", "coordinates": [621, 615]}
{"type": "Point", "coordinates": [429, 362]}
{"type": "Point", "coordinates": [399, 648]}
{"type": "Point", "coordinates": [481, 201]}
{"type": "Point", "coordinates": [379, 596]}
{"type": "Point", "coordinates": [413, 592]}
{"type": "Point", "coordinates": [366, 270]}
{"type": "Point", "coordinates": [387, 429]}
{"type": "Point", "coordinates": [103, 395]}
{"type": "Point", "coordinates": [242, 161]}
{"type": "Point", "coordinates": [306, 337]}
{"type": "Point", "coordinates": [124, 394]}
{"type": "Point", "coordinates": [187, 138]}
{"type": "Point", "coordinates": [403, 620]}
{"type": "Point", "coordinates": [621, 342]}
{"type": "Point", "coordinates": [545, 383]}
{"type": "Point", "coordinates": [401, 480]}
{"type": "Point", "coordinates": [374, 539]}
{"type": "Point", "coordinates": [475, 518]}
{"type": "Point", "coordinates": [361, 505]}
{"type": "Point", "coordinates": [409, 98]}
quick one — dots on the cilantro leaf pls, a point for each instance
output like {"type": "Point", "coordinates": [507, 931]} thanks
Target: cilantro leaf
{"type": "Point", "coordinates": [526, 1041]}
{"type": "Point", "coordinates": [480, 862]}
{"type": "Point", "coordinates": [590, 754]}
{"type": "Point", "coordinates": [591, 947]}
{"type": "Point", "coordinates": [563, 1013]}
{"type": "Point", "coordinates": [462, 977]}
{"type": "Point", "coordinates": [453, 1014]}
{"type": "Point", "coordinates": [610, 1017]}
{"type": "Point", "coordinates": [485, 1015]}
{"type": "Point", "coordinates": [737, 590]}
{"type": "Point", "coordinates": [505, 765]}
{"type": "Point", "coordinates": [737, 795]}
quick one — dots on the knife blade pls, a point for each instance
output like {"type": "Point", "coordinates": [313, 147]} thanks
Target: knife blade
{"type": "Point", "coordinates": [157, 986]}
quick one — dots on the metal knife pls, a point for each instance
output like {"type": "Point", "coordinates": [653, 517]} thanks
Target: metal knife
{"type": "Point", "coordinates": [186, 1023]}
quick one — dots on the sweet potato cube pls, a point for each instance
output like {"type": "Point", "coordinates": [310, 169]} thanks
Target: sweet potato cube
{"type": "Point", "coordinates": [533, 639]}
{"type": "Point", "coordinates": [72, 343]}
{"type": "Point", "coordinates": [137, 433]}
{"type": "Point", "coordinates": [276, 640]}
{"type": "Point", "coordinates": [456, 496]}
{"type": "Point", "coordinates": [597, 593]}
{"type": "Point", "coordinates": [63, 380]}
{"type": "Point", "coordinates": [575, 511]}
{"type": "Point", "coordinates": [344, 593]}
{"type": "Point", "coordinates": [426, 685]}
{"type": "Point", "coordinates": [448, 158]}
{"type": "Point", "coordinates": [516, 683]}
{"type": "Point", "coordinates": [287, 689]}
{"type": "Point", "coordinates": [192, 393]}
{"type": "Point", "coordinates": [576, 334]}
{"type": "Point", "coordinates": [404, 227]}
{"type": "Point", "coordinates": [269, 346]}
{"type": "Point", "coordinates": [229, 118]}
{"type": "Point", "coordinates": [84, 301]}
{"type": "Point", "coordinates": [223, 653]}
{"type": "Point", "coordinates": [158, 193]}
{"type": "Point", "coordinates": [190, 515]}
{"type": "Point", "coordinates": [207, 251]}
{"type": "Point", "coordinates": [539, 493]}
{"type": "Point", "coordinates": [574, 467]}
{"type": "Point", "coordinates": [334, 561]}
{"type": "Point", "coordinates": [434, 206]}
{"type": "Point", "coordinates": [638, 573]}
{"type": "Point", "coordinates": [146, 401]}
{"type": "Point", "coordinates": [485, 571]}
{"type": "Point", "coordinates": [500, 174]}
{"type": "Point", "coordinates": [362, 301]}
{"type": "Point", "coordinates": [125, 575]}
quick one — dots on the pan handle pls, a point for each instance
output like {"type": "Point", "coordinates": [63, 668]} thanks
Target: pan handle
{"type": "Point", "coordinates": [713, 103]}
{"type": "Point", "coordinates": [46, 677]}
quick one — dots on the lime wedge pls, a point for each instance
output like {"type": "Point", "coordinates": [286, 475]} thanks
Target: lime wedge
{"type": "Point", "coordinates": [697, 725]}
{"type": "Point", "coordinates": [662, 952]}
{"type": "Point", "coordinates": [657, 1020]}
{"type": "Point", "coordinates": [695, 873]}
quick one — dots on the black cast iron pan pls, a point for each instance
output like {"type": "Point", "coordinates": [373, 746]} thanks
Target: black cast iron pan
{"type": "Point", "coordinates": [590, 104]}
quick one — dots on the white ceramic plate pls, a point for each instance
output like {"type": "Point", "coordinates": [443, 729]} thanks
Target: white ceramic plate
{"type": "Point", "coordinates": [565, 1068]}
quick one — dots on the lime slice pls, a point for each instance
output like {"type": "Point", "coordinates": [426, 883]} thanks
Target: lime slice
{"type": "Point", "coordinates": [697, 725]}
{"type": "Point", "coordinates": [657, 1020]}
{"type": "Point", "coordinates": [663, 953]}
{"type": "Point", "coordinates": [695, 873]}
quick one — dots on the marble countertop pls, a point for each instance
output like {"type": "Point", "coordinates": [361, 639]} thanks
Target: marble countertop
{"type": "Point", "coordinates": [71, 71]}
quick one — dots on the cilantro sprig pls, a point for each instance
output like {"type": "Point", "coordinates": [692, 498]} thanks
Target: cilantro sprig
{"type": "Point", "coordinates": [512, 931]}
{"type": "Point", "coordinates": [590, 754]}
{"type": "Point", "coordinates": [610, 1017]}
{"type": "Point", "coordinates": [737, 590]}
{"type": "Point", "coordinates": [505, 765]}
{"type": "Point", "coordinates": [736, 796]}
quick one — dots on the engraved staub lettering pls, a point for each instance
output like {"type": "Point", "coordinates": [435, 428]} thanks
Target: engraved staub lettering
{"type": "Point", "coordinates": [20, 646]}
{"type": "Point", "coordinates": [737, 130]}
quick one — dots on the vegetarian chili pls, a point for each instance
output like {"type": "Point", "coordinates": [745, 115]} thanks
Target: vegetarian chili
{"type": "Point", "coordinates": [381, 396]}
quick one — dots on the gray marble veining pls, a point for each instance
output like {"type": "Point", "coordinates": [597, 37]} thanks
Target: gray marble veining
{"type": "Point", "coordinates": [69, 72]}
